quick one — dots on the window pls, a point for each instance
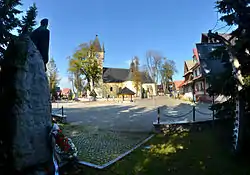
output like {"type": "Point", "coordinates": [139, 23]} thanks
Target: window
{"type": "Point", "coordinates": [111, 89]}
{"type": "Point", "coordinates": [198, 71]}
{"type": "Point", "coordinates": [195, 73]}
{"type": "Point", "coordinates": [202, 87]}
{"type": "Point", "coordinates": [197, 87]}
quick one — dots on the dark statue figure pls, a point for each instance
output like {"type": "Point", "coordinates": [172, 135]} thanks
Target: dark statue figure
{"type": "Point", "coordinates": [40, 38]}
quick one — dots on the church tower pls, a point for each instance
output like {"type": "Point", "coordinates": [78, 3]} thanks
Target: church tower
{"type": "Point", "coordinates": [100, 54]}
{"type": "Point", "coordinates": [100, 51]}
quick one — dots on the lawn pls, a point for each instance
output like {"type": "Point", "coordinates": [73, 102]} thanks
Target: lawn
{"type": "Point", "coordinates": [200, 150]}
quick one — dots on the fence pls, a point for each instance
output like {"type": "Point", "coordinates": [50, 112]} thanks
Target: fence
{"type": "Point", "coordinates": [58, 114]}
{"type": "Point", "coordinates": [193, 111]}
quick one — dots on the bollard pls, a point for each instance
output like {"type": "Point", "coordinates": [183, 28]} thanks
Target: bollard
{"type": "Point", "coordinates": [62, 111]}
{"type": "Point", "coordinates": [193, 113]}
{"type": "Point", "coordinates": [158, 115]}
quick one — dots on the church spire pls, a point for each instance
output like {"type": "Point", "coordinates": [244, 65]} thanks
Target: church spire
{"type": "Point", "coordinates": [103, 49]}
{"type": "Point", "coordinates": [97, 44]}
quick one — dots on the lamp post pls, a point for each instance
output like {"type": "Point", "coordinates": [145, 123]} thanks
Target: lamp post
{"type": "Point", "coordinates": [193, 88]}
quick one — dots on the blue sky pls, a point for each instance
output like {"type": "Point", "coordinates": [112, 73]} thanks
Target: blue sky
{"type": "Point", "coordinates": [127, 28]}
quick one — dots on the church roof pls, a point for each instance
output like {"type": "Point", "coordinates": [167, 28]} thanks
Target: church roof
{"type": "Point", "coordinates": [126, 91]}
{"type": "Point", "coordinates": [119, 75]}
{"type": "Point", "coordinates": [97, 44]}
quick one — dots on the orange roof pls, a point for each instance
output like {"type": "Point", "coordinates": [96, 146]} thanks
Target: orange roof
{"type": "Point", "coordinates": [66, 90]}
{"type": "Point", "coordinates": [178, 84]}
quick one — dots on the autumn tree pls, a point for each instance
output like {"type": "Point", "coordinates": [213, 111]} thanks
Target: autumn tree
{"type": "Point", "coordinates": [136, 74]}
{"type": "Point", "coordinates": [75, 76]}
{"type": "Point", "coordinates": [167, 70]}
{"type": "Point", "coordinates": [53, 76]}
{"type": "Point", "coordinates": [84, 62]}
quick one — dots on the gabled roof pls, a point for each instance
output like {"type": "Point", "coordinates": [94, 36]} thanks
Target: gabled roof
{"type": "Point", "coordinates": [196, 55]}
{"type": "Point", "coordinates": [115, 75]}
{"type": "Point", "coordinates": [204, 37]}
{"type": "Point", "coordinates": [178, 84]}
{"type": "Point", "coordinates": [209, 65]}
{"type": "Point", "coordinates": [190, 64]}
{"type": "Point", "coordinates": [126, 91]}
{"type": "Point", "coordinates": [119, 75]}
{"type": "Point", "coordinates": [66, 90]}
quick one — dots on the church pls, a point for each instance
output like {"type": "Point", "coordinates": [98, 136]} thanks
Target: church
{"type": "Point", "coordinates": [115, 79]}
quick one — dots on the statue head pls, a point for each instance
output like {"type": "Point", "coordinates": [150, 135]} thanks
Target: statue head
{"type": "Point", "coordinates": [44, 22]}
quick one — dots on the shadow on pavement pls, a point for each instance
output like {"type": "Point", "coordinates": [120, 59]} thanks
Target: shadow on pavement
{"type": "Point", "coordinates": [113, 117]}
{"type": "Point", "coordinates": [184, 113]}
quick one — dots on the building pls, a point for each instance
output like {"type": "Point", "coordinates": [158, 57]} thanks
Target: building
{"type": "Point", "coordinates": [177, 85]}
{"type": "Point", "coordinates": [115, 79]}
{"type": "Point", "coordinates": [196, 70]}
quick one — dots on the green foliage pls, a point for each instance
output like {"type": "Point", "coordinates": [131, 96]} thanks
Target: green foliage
{"type": "Point", "coordinates": [53, 76]}
{"type": "Point", "coordinates": [136, 74]}
{"type": "Point", "coordinates": [167, 71]}
{"type": "Point", "coordinates": [93, 93]}
{"type": "Point", "coordinates": [233, 12]}
{"type": "Point", "coordinates": [84, 63]}
{"type": "Point", "coordinates": [236, 12]}
{"type": "Point", "coordinates": [8, 22]}
{"type": "Point", "coordinates": [17, 48]}
{"type": "Point", "coordinates": [29, 21]}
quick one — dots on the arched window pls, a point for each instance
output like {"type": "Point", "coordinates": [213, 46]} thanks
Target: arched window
{"type": "Point", "coordinates": [111, 89]}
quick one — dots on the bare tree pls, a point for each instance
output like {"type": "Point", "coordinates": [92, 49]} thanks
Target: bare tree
{"type": "Point", "coordinates": [154, 60]}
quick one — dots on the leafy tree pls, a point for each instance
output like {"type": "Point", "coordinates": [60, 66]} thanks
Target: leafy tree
{"type": "Point", "coordinates": [29, 21]}
{"type": "Point", "coordinates": [167, 71]}
{"type": "Point", "coordinates": [75, 75]}
{"type": "Point", "coordinates": [85, 63]}
{"type": "Point", "coordinates": [136, 74]}
{"type": "Point", "coordinates": [53, 76]}
{"type": "Point", "coordinates": [8, 22]}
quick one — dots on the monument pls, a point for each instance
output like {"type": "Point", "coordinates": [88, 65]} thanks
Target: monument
{"type": "Point", "coordinates": [26, 109]}
{"type": "Point", "coordinates": [40, 38]}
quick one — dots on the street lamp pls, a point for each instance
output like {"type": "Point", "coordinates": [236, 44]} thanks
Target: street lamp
{"type": "Point", "coordinates": [193, 88]}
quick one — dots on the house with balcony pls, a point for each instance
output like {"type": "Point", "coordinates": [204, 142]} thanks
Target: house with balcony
{"type": "Point", "coordinates": [195, 84]}
{"type": "Point", "coordinates": [197, 69]}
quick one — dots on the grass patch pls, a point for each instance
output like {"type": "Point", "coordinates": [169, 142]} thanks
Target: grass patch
{"type": "Point", "coordinates": [201, 151]}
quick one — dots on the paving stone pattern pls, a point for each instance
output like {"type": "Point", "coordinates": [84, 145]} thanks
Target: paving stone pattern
{"type": "Point", "coordinates": [100, 147]}
{"type": "Point", "coordinates": [92, 123]}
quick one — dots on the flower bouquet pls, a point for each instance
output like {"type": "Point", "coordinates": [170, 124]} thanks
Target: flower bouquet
{"type": "Point", "coordinates": [64, 148]}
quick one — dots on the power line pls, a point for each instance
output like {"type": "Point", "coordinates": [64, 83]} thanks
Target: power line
{"type": "Point", "coordinates": [228, 29]}
{"type": "Point", "coordinates": [217, 21]}
{"type": "Point", "coordinates": [220, 28]}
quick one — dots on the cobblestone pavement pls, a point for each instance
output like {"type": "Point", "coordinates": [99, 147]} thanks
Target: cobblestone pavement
{"type": "Point", "coordinates": [103, 130]}
{"type": "Point", "coordinates": [101, 146]}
